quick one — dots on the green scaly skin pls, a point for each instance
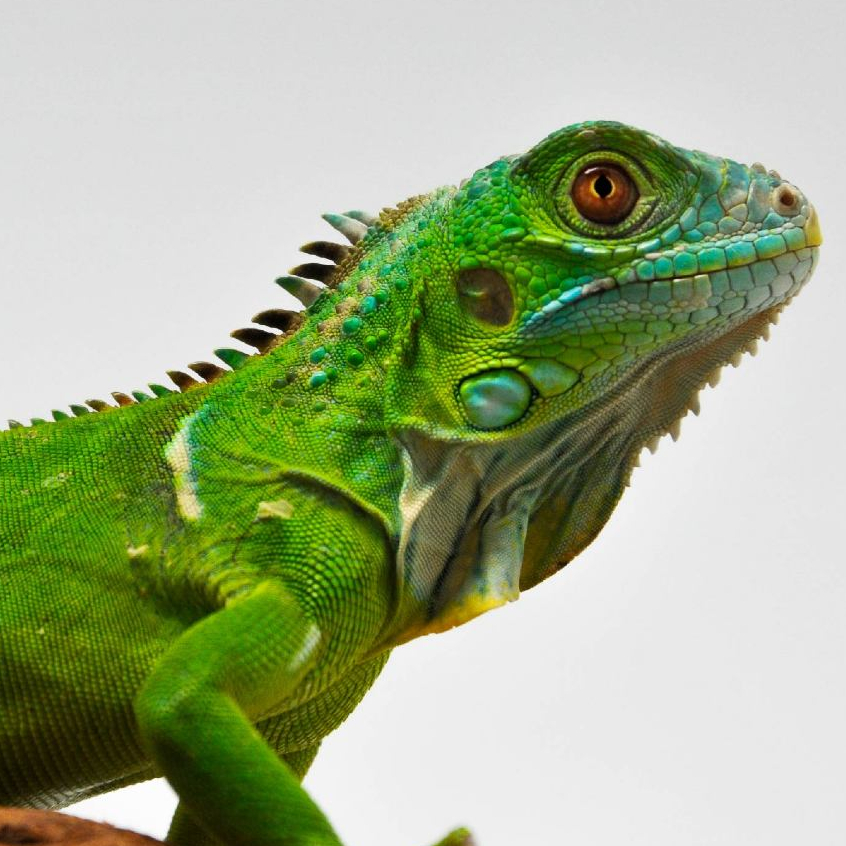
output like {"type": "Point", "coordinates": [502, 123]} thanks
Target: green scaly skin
{"type": "Point", "coordinates": [205, 585]}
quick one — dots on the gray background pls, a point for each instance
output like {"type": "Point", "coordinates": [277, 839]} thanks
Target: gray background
{"type": "Point", "coordinates": [683, 681]}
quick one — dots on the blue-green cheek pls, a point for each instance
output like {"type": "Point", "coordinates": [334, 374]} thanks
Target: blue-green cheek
{"type": "Point", "coordinates": [495, 399]}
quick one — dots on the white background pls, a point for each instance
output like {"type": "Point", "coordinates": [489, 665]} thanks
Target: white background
{"type": "Point", "coordinates": [682, 682]}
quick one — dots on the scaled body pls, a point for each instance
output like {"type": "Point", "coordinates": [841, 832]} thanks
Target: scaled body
{"type": "Point", "coordinates": [451, 420]}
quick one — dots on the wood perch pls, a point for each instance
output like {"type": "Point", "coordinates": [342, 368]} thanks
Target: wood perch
{"type": "Point", "coordinates": [20, 826]}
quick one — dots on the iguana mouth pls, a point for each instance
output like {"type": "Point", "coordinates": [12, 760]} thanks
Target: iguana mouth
{"type": "Point", "coordinates": [607, 283]}
{"type": "Point", "coordinates": [739, 252]}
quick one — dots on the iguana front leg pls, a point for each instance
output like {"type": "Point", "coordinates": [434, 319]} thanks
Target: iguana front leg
{"type": "Point", "coordinates": [184, 830]}
{"type": "Point", "coordinates": [196, 713]}
{"type": "Point", "coordinates": [183, 827]}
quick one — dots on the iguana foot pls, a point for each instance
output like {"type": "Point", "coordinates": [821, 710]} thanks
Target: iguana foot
{"type": "Point", "coordinates": [459, 837]}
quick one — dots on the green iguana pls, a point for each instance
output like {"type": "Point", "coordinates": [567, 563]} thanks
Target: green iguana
{"type": "Point", "coordinates": [202, 584]}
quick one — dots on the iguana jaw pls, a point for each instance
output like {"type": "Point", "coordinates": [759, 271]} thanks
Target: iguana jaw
{"type": "Point", "coordinates": [650, 405]}
{"type": "Point", "coordinates": [501, 515]}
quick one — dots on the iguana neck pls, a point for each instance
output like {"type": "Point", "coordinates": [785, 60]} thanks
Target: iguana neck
{"type": "Point", "coordinates": [315, 404]}
{"type": "Point", "coordinates": [483, 521]}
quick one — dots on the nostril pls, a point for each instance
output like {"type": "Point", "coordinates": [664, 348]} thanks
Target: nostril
{"type": "Point", "coordinates": [786, 197]}
{"type": "Point", "coordinates": [786, 200]}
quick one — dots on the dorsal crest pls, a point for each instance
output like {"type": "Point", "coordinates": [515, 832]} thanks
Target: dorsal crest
{"type": "Point", "coordinates": [305, 282]}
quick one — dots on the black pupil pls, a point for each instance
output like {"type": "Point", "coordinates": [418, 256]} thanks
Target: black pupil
{"type": "Point", "coordinates": [603, 186]}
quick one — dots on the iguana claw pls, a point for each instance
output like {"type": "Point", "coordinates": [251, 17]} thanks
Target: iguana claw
{"type": "Point", "coordinates": [459, 837]}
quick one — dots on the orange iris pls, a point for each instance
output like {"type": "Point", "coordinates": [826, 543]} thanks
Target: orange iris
{"type": "Point", "coordinates": [604, 193]}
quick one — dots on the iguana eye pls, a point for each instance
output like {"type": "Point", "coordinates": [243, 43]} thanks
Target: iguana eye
{"type": "Point", "coordinates": [604, 193]}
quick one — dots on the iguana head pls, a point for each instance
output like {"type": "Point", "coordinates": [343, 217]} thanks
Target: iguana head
{"type": "Point", "coordinates": [569, 305]}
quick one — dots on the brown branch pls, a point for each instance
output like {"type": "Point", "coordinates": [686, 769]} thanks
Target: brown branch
{"type": "Point", "coordinates": [21, 826]}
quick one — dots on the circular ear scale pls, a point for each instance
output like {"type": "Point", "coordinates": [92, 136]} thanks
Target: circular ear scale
{"type": "Point", "coordinates": [485, 295]}
{"type": "Point", "coordinates": [495, 398]}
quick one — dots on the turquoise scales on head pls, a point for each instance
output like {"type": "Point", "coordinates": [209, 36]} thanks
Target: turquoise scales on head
{"type": "Point", "coordinates": [451, 419]}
